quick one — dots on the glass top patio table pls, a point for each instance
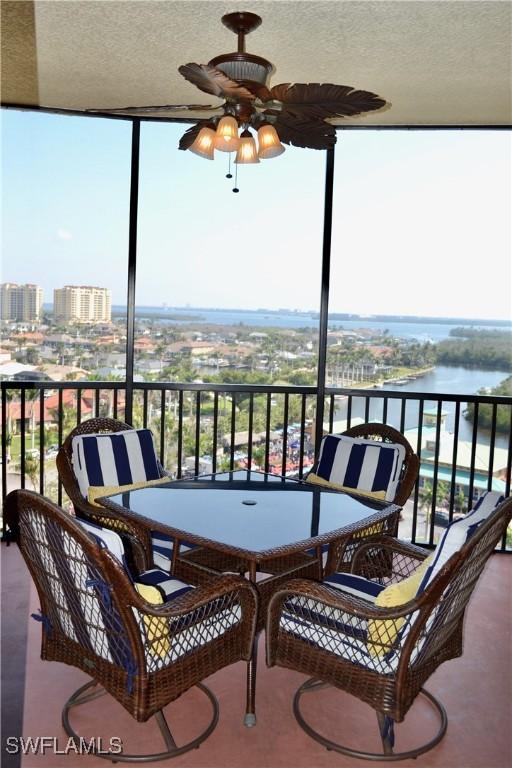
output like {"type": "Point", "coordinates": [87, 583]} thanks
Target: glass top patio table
{"type": "Point", "coordinates": [250, 512]}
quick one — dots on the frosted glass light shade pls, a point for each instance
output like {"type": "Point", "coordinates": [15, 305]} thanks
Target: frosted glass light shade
{"type": "Point", "coordinates": [247, 150]}
{"type": "Point", "coordinates": [204, 143]}
{"type": "Point", "coordinates": [269, 144]}
{"type": "Point", "coordinates": [226, 136]}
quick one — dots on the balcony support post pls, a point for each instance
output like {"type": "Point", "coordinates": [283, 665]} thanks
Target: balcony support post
{"type": "Point", "coordinates": [324, 297]}
{"type": "Point", "coordinates": [132, 264]}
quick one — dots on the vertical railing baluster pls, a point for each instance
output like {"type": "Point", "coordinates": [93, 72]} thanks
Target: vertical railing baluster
{"type": "Point", "coordinates": [198, 432]}
{"type": "Point", "coordinates": [284, 462]}
{"type": "Point", "coordinates": [267, 432]}
{"type": "Point", "coordinates": [384, 410]}
{"type": "Point", "coordinates": [491, 447]}
{"type": "Point", "coordinates": [215, 430]}
{"type": "Point", "coordinates": [114, 408]}
{"type": "Point", "coordinates": [233, 431]}
{"type": "Point", "coordinates": [22, 437]}
{"type": "Point", "coordinates": [41, 440]}
{"type": "Point", "coordinates": [417, 485]}
{"type": "Point", "coordinates": [249, 436]}
{"type": "Point", "coordinates": [78, 406]}
{"type": "Point", "coordinates": [435, 473]}
{"type": "Point", "coordinates": [145, 408]}
{"type": "Point", "coordinates": [402, 415]}
{"type": "Point", "coordinates": [302, 436]}
{"type": "Point", "coordinates": [4, 451]}
{"type": "Point", "coordinates": [454, 459]}
{"type": "Point", "coordinates": [180, 432]}
{"type": "Point", "coordinates": [97, 403]}
{"type": "Point", "coordinates": [508, 475]}
{"type": "Point", "coordinates": [508, 478]}
{"type": "Point", "coordinates": [349, 411]}
{"type": "Point", "coordinates": [366, 409]}
{"type": "Point", "coordinates": [162, 426]}
{"type": "Point", "coordinates": [473, 457]}
{"type": "Point", "coordinates": [331, 413]}
{"type": "Point", "coordinates": [60, 427]}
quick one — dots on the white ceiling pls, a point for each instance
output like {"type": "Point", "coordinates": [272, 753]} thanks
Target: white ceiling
{"type": "Point", "coordinates": [437, 63]}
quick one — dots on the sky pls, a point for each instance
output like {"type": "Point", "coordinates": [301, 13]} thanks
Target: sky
{"type": "Point", "coordinates": [421, 219]}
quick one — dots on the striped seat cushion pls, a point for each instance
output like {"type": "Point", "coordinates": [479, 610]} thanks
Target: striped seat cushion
{"type": "Point", "coordinates": [114, 459]}
{"type": "Point", "coordinates": [168, 587]}
{"type": "Point", "coordinates": [364, 465]}
{"type": "Point", "coordinates": [332, 629]}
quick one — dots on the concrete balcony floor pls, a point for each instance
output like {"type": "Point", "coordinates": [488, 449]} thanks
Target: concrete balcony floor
{"type": "Point", "coordinates": [476, 691]}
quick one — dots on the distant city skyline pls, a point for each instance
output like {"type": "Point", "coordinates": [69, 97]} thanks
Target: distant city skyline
{"type": "Point", "coordinates": [421, 223]}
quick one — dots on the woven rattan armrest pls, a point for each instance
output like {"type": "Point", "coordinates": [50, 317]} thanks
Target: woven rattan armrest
{"type": "Point", "coordinates": [239, 588]}
{"type": "Point", "coordinates": [385, 556]}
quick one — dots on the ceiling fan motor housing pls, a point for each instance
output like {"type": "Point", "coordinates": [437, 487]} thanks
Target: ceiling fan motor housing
{"type": "Point", "coordinates": [241, 65]}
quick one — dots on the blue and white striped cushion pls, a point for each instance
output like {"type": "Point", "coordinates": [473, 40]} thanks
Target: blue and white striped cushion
{"type": "Point", "coordinates": [366, 465]}
{"type": "Point", "coordinates": [114, 459]}
{"type": "Point", "coordinates": [357, 586]}
{"type": "Point", "coordinates": [334, 630]}
{"type": "Point", "coordinates": [169, 587]}
{"type": "Point", "coordinates": [162, 545]}
{"type": "Point", "coordinates": [107, 539]}
{"type": "Point", "coordinates": [459, 531]}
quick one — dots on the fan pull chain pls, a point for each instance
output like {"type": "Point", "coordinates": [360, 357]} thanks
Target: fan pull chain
{"type": "Point", "coordinates": [229, 175]}
{"type": "Point", "coordinates": [235, 188]}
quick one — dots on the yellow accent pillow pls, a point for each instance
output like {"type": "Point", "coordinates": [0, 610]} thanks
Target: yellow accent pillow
{"type": "Point", "coordinates": [383, 632]}
{"type": "Point", "coordinates": [317, 480]}
{"type": "Point", "coordinates": [97, 491]}
{"type": "Point", "coordinates": [157, 628]}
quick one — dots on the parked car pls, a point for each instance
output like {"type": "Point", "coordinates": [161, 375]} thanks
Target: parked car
{"type": "Point", "coordinates": [442, 518]}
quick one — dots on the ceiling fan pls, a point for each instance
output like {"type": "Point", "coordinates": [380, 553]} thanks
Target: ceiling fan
{"type": "Point", "coordinates": [289, 113]}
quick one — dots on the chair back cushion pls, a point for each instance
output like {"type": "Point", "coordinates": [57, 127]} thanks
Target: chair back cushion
{"type": "Point", "coordinates": [107, 539]}
{"type": "Point", "coordinates": [458, 532]}
{"type": "Point", "coordinates": [114, 459]}
{"type": "Point", "coordinates": [359, 464]}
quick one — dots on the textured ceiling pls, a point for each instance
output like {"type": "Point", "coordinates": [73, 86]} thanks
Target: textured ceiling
{"type": "Point", "coordinates": [436, 63]}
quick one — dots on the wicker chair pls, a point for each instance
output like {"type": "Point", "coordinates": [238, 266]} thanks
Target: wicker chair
{"type": "Point", "coordinates": [144, 655]}
{"type": "Point", "coordinates": [339, 557]}
{"type": "Point", "coordinates": [138, 537]}
{"type": "Point", "coordinates": [331, 635]}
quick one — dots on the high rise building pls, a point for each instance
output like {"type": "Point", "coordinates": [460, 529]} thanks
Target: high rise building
{"type": "Point", "coordinates": [21, 303]}
{"type": "Point", "coordinates": [82, 304]}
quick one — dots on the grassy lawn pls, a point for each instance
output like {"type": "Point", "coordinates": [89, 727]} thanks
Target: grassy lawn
{"type": "Point", "coordinates": [31, 442]}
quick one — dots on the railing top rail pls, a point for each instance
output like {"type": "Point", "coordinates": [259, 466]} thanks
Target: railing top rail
{"type": "Point", "coordinates": [436, 396]}
{"type": "Point", "coordinates": [163, 385]}
{"type": "Point", "coordinates": [257, 389]}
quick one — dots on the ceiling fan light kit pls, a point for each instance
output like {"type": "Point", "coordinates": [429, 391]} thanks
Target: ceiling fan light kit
{"type": "Point", "coordinates": [247, 153]}
{"type": "Point", "coordinates": [204, 143]}
{"type": "Point", "coordinates": [226, 135]}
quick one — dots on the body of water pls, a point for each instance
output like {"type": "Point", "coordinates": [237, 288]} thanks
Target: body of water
{"type": "Point", "coordinates": [422, 331]}
{"type": "Point", "coordinates": [442, 380]}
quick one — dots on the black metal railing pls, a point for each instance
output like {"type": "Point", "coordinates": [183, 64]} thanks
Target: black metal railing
{"type": "Point", "coordinates": [209, 427]}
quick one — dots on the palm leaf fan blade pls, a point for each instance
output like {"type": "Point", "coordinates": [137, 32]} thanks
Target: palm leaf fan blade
{"type": "Point", "coordinates": [211, 80]}
{"type": "Point", "coordinates": [190, 134]}
{"type": "Point", "coordinates": [322, 100]}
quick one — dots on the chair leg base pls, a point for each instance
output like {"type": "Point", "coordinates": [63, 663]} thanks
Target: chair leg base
{"type": "Point", "coordinates": [310, 685]}
{"type": "Point", "coordinates": [81, 697]}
